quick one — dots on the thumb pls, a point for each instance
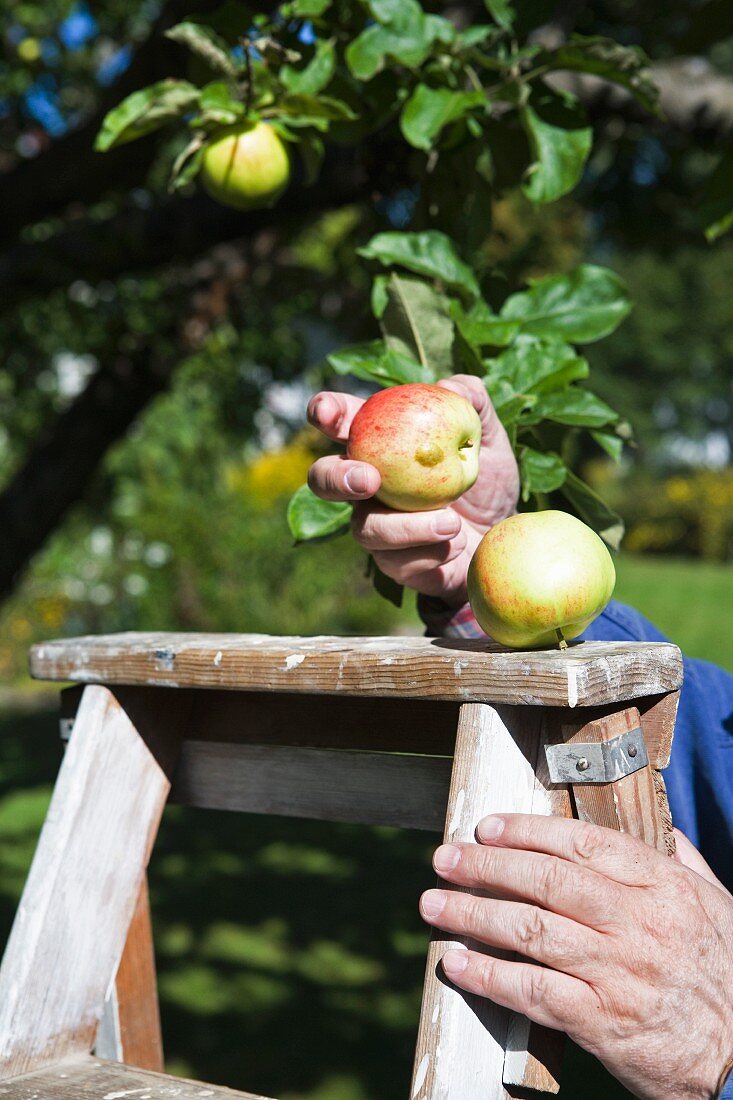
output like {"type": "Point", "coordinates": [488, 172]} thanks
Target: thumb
{"type": "Point", "coordinates": [473, 389]}
{"type": "Point", "coordinates": [688, 855]}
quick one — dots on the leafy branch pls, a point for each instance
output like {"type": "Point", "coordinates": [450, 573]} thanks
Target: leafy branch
{"type": "Point", "coordinates": [435, 323]}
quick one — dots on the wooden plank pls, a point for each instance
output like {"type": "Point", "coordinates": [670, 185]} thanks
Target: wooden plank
{"type": "Point", "coordinates": [358, 722]}
{"type": "Point", "coordinates": [534, 1054]}
{"type": "Point", "coordinates": [325, 721]}
{"type": "Point", "coordinates": [367, 788]}
{"type": "Point", "coordinates": [462, 1038]}
{"type": "Point", "coordinates": [130, 1031]}
{"type": "Point", "coordinates": [92, 1079]}
{"type": "Point", "coordinates": [587, 674]}
{"type": "Point", "coordinates": [630, 805]}
{"type": "Point", "coordinates": [658, 716]}
{"type": "Point", "coordinates": [76, 908]}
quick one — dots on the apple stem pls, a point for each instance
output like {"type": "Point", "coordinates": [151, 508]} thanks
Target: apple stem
{"type": "Point", "coordinates": [561, 638]}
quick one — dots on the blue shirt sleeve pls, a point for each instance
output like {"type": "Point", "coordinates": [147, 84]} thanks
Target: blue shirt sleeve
{"type": "Point", "coordinates": [699, 778]}
{"type": "Point", "coordinates": [726, 1092]}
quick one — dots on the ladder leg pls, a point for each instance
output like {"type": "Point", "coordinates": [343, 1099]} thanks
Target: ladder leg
{"type": "Point", "coordinates": [130, 1030]}
{"type": "Point", "coordinates": [636, 804]}
{"type": "Point", "coordinates": [76, 908]}
{"type": "Point", "coordinates": [462, 1038]}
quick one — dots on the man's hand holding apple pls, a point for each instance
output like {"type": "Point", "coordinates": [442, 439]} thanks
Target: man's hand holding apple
{"type": "Point", "coordinates": [428, 551]}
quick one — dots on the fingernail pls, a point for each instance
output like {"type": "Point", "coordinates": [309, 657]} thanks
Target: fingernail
{"type": "Point", "coordinates": [357, 481]}
{"type": "Point", "coordinates": [490, 828]}
{"type": "Point", "coordinates": [455, 962]}
{"type": "Point", "coordinates": [313, 406]}
{"type": "Point", "coordinates": [446, 857]}
{"type": "Point", "coordinates": [432, 903]}
{"type": "Point", "coordinates": [445, 524]}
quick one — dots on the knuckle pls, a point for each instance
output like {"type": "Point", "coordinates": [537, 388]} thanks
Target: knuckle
{"type": "Point", "coordinates": [587, 844]}
{"type": "Point", "coordinates": [686, 889]}
{"type": "Point", "coordinates": [484, 974]}
{"type": "Point", "coordinates": [362, 528]}
{"type": "Point", "coordinates": [531, 930]}
{"type": "Point", "coordinates": [473, 911]}
{"type": "Point", "coordinates": [552, 879]}
{"type": "Point", "coordinates": [315, 478]}
{"type": "Point", "coordinates": [535, 987]}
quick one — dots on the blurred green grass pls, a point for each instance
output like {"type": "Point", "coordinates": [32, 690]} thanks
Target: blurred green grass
{"type": "Point", "coordinates": [290, 952]}
{"type": "Point", "coordinates": [690, 602]}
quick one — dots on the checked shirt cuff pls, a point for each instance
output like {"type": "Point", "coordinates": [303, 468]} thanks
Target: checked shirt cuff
{"type": "Point", "coordinates": [442, 621]}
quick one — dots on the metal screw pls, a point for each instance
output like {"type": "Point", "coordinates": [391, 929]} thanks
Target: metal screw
{"type": "Point", "coordinates": [632, 751]}
{"type": "Point", "coordinates": [582, 765]}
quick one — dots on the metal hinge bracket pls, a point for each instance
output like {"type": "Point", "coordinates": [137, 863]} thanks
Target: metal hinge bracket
{"type": "Point", "coordinates": [597, 761]}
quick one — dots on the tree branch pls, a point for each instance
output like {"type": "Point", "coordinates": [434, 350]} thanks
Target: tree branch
{"type": "Point", "coordinates": [140, 238]}
{"type": "Point", "coordinates": [60, 465]}
{"type": "Point", "coordinates": [70, 170]}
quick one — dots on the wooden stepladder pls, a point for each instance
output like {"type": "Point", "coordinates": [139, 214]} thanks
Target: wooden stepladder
{"type": "Point", "coordinates": [409, 732]}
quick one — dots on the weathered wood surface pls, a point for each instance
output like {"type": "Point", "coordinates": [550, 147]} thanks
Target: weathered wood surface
{"type": "Point", "coordinates": [366, 788]}
{"type": "Point", "coordinates": [630, 805]}
{"type": "Point", "coordinates": [352, 722]}
{"type": "Point", "coordinates": [586, 674]}
{"type": "Point", "coordinates": [534, 1054]}
{"type": "Point", "coordinates": [91, 1079]}
{"type": "Point", "coordinates": [658, 717]}
{"type": "Point", "coordinates": [130, 1030]}
{"type": "Point", "coordinates": [320, 721]}
{"type": "Point", "coordinates": [461, 1038]}
{"type": "Point", "coordinates": [76, 908]}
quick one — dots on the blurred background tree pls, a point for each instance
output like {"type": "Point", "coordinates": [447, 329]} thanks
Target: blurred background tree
{"type": "Point", "coordinates": [157, 355]}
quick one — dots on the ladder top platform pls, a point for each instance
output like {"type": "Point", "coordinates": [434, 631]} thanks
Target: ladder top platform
{"type": "Point", "coordinates": [586, 674]}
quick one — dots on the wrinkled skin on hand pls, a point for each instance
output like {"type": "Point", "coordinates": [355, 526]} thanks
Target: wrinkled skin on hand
{"type": "Point", "coordinates": [427, 551]}
{"type": "Point", "coordinates": [637, 948]}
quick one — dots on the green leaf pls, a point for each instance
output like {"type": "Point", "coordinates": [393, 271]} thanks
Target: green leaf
{"type": "Point", "coordinates": [187, 164]}
{"type": "Point", "coordinates": [312, 108]}
{"type": "Point", "coordinates": [146, 110]}
{"type": "Point", "coordinates": [715, 209]}
{"type": "Point", "coordinates": [539, 366]}
{"type": "Point", "coordinates": [402, 31]}
{"type": "Point", "coordinates": [384, 585]}
{"type": "Point", "coordinates": [580, 307]}
{"type": "Point", "coordinates": [502, 11]}
{"type": "Point", "coordinates": [218, 106]}
{"type": "Point", "coordinates": [373, 362]}
{"type": "Point", "coordinates": [316, 74]}
{"type": "Point", "coordinates": [593, 510]}
{"type": "Point", "coordinates": [508, 404]}
{"type": "Point", "coordinates": [540, 472]}
{"type": "Point", "coordinates": [611, 443]}
{"type": "Point", "coordinates": [482, 327]}
{"type": "Point", "coordinates": [575, 407]}
{"type": "Point", "coordinates": [415, 323]}
{"type": "Point", "coordinates": [481, 34]}
{"type": "Point", "coordinates": [627, 66]}
{"type": "Point", "coordinates": [307, 9]}
{"type": "Point", "coordinates": [429, 253]}
{"type": "Point", "coordinates": [309, 517]}
{"type": "Point", "coordinates": [379, 295]}
{"type": "Point", "coordinates": [560, 142]}
{"type": "Point", "coordinates": [428, 110]}
{"type": "Point", "coordinates": [207, 44]}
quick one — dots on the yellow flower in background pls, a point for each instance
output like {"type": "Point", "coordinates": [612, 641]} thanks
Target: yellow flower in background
{"type": "Point", "coordinates": [679, 490]}
{"type": "Point", "coordinates": [271, 475]}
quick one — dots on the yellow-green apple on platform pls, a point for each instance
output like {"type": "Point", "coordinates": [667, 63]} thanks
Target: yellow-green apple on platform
{"type": "Point", "coordinates": [539, 578]}
{"type": "Point", "coordinates": [425, 442]}
{"type": "Point", "coordinates": [247, 166]}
